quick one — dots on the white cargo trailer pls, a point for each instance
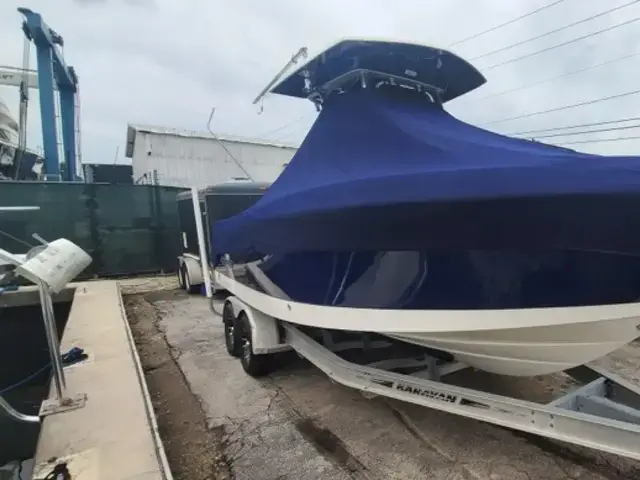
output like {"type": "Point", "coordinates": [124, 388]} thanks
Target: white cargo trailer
{"type": "Point", "coordinates": [214, 203]}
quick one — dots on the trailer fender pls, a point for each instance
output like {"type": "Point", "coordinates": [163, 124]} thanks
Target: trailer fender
{"type": "Point", "coordinates": [193, 269]}
{"type": "Point", "coordinates": [264, 329]}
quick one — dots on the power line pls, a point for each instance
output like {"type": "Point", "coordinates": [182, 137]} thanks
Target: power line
{"type": "Point", "coordinates": [617, 139]}
{"type": "Point", "coordinates": [224, 147]}
{"type": "Point", "coordinates": [551, 32]}
{"type": "Point", "coordinates": [553, 47]}
{"type": "Point", "coordinates": [585, 132]}
{"type": "Point", "coordinates": [557, 77]}
{"type": "Point", "coordinates": [288, 135]}
{"type": "Point", "coordinates": [509, 22]}
{"type": "Point", "coordinates": [286, 125]}
{"type": "Point", "coordinates": [565, 107]}
{"type": "Point", "coordinates": [555, 129]}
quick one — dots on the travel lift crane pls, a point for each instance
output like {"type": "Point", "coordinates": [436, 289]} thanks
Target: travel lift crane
{"type": "Point", "coordinates": [53, 74]}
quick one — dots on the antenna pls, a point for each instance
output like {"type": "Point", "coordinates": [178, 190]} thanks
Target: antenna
{"type": "Point", "coordinates": [294, 59]}
{"type": "Point", "coordinates": [213, 110]}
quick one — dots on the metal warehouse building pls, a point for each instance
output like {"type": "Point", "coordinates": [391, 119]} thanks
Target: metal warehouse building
{"type": "Point", "coordinates": [183, 158]}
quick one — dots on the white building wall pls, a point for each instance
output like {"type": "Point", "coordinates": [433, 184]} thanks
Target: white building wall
{"type": "Point", "coordinates": [186, 161]}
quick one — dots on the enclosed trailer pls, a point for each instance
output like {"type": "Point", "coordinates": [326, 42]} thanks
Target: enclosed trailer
{"type": "Point", "coordinates": [216, 202]}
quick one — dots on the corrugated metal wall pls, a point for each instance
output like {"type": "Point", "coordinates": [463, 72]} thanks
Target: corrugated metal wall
{"type": "Point", "coordinates": [183, 161]}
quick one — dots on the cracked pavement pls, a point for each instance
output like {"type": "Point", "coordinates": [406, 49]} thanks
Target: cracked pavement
{"type": "Point", "coordinates": [297, 424]}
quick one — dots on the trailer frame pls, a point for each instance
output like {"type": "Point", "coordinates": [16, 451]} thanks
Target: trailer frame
{"type": "Point", "coordinates": [602, 414]}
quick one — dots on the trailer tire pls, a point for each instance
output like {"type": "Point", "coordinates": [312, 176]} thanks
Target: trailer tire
{"type": "Point", "coordinates": [180, 274]}
{"type": "Point", "coordinates": [187, 282]}
{"type": "Point", "coordinates": [232, 336]}
{"type": "Point", "coordinates": [254, 365]}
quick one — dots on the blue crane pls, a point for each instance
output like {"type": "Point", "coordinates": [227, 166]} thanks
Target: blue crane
{"type": "Point", "coordinates": [52, 68]}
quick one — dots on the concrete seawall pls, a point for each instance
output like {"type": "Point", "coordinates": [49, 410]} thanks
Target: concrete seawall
{"type": "Point", "coordinates": [114, 435]}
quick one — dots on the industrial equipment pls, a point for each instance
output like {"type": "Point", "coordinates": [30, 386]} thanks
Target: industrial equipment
{"type": "Point", "coordinates": [52, 74]}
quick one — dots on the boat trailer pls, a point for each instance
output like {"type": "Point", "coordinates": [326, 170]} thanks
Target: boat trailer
{"type": "Point", "coordinates": [602, 414]}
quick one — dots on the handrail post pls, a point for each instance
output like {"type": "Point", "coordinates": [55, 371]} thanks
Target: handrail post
{"type": "Point", "coordinates": [52, 339]}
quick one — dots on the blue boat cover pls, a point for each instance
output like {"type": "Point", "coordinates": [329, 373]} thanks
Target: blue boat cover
{"type": "Point", "coordinates": [380, 170]}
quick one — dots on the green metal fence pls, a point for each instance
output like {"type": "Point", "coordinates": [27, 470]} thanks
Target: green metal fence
{"type": "Point", "coordinates": [127, 229]}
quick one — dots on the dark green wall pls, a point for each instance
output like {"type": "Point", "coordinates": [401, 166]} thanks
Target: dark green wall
{"type": "Point", "coordinates": [127, 229]}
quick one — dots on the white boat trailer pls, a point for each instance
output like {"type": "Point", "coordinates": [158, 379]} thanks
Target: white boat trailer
{"type": "Point", "coordinates": [602, 414]}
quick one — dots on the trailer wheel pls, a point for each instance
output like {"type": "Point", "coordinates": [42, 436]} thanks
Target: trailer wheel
{"type": "Point", "coordinates": [254, 365]}
{"type": "Point", "coordinates": [180, 274]}
{"type": "Point", "coordinates": [232, 335]}
{"type": "Point", "coordinates": [187, 283]}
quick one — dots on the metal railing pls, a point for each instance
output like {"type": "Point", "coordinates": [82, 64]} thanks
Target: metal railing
{"type": "Point", "coordinates": [50, 267]}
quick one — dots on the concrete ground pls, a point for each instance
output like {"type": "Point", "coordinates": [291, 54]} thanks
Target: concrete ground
{"type": "Point", "coordinates": [296, 424]}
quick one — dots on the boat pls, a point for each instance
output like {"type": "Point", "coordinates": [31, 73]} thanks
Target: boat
{"type": "Point", "coordinates": [8, 125]}
{"type": "Point", "coordinates": [396, 218]}
{"type": "Point", "coordinates": [15, 164]}
{"type": "Point", "coordinates": [8, 136]}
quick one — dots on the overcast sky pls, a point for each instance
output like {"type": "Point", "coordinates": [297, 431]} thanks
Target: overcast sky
{"type": "Point", "coordinates": [168, 62]}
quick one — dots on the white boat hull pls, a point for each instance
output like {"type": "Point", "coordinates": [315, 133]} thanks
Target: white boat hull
{"type": "Point", "coordinates": [530, 351]}
{"type": "Point", "coordinates": [518, 342]}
